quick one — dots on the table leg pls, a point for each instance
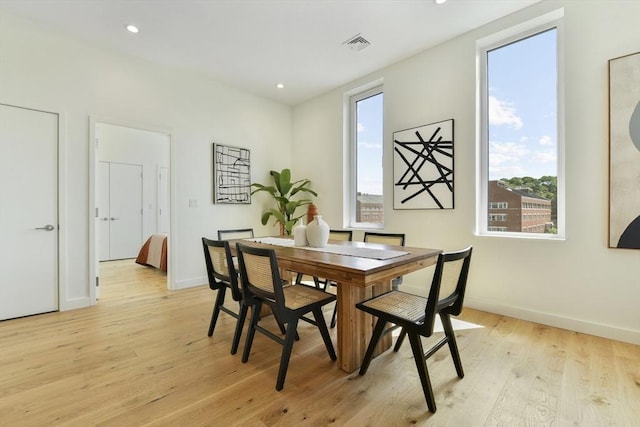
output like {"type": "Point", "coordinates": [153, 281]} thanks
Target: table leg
{"type": "Point", "coordinates": [355, 326]}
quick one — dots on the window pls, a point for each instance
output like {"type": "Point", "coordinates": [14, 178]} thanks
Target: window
{"type": "Point", "coordinates": [521, 150]}
{"type": "Point", "coordinates": [366, 204]}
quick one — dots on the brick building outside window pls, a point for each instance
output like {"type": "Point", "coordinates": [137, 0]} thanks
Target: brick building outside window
{"type": "Point", "coordinates": [517, 210]}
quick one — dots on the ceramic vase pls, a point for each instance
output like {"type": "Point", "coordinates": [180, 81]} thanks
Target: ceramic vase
{"type": "Point", "coordinates": [300, 234]}
{"type": "Point", "coordinates": [318, 232]}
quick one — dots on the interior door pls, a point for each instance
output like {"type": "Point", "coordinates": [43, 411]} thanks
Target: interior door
{"type": "Point", "coordinates": [102, 211]}
{"type": "Point", "coordinates": [28, 212]}
{"type": "Point", "coordinates": [125, 210]}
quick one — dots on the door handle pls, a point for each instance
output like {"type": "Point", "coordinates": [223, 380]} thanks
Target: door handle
{"type": "Point", "coordinates": [104, 218]}
{"type": "Point", "coordinates": [47, 227]}
{"type": "Point", "coordinates": [114, 219]}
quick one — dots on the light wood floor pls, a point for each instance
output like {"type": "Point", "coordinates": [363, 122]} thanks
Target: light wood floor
{"type": "Point", "coordinates": [142, 357]}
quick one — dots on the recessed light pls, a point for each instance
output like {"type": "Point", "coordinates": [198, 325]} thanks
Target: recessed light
{"type": "Point", "coordinates": [280, 86]}
{"type": "Point", "coordinates": [131, 28]}
{"type": "Point", "coordinates": [439, 1]}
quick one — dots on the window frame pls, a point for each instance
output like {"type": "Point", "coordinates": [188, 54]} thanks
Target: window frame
{"type": "Point", "coordinates": [351, 100]}
{"type": "Point", "coordinates": [541, 24]}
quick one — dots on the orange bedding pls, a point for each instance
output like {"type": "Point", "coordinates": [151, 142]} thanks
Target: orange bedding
{"type": "Point", "coordinates": [154, 252]}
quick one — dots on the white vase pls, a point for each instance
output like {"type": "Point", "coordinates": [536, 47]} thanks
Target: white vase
{"type": "Point", "coordinates": [318, 232]}
{"type": "Point", "coordinates": [300, 234]}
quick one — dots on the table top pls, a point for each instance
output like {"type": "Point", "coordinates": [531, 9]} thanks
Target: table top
{"type": "Point", "coordinates": [354, 270]}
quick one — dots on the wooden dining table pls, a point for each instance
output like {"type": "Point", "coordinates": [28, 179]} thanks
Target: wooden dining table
{"type": "Point", "coordinates": [357, 278]}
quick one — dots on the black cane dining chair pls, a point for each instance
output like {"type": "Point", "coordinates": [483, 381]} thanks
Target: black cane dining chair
{"type": "Point", "coordinates": [238, 233]}
{"type": "Point", "coordinates": [222, 276]}
{"type": "Point", "coordinates": [395, 239]}
{"type": "Point", "coordinates": [325, 284]}
{"type": "Point", "coordinates": [261, 284]}
{"type": "Point", "coordinates": [416, 316]}
{"type": "Point", "coordinates": [337, 235]}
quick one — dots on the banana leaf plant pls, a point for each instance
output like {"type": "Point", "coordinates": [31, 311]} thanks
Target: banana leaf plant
{"type": "Point", "coordinates": [283, 192]}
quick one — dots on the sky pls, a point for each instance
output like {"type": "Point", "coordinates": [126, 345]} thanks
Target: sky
{"type": "Point", "coordinates": [370, 145]}
{"type": "Point", "coordinates": [522, 81]}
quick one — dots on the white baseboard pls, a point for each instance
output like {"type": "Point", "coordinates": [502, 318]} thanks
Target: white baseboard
{"type": "Point", "coordinates": [75, 303]}
{"type": "Point", "coordinates": [190, 283]}
{"type": "Point", "coordinates": [597, 329]}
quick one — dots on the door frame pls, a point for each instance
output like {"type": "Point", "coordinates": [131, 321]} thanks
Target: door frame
{"type": "Point", "coordinates": [93, 160]}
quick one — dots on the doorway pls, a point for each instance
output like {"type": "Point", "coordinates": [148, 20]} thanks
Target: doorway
{"type": "Point", "coordinates": [132, 191]}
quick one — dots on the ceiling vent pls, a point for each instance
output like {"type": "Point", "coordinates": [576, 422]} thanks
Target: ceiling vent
{"type": "Point", "coordinates": [357, 43]}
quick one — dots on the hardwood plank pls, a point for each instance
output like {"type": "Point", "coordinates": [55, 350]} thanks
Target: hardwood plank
{"type": "Point", "coordinates": [142, 357]}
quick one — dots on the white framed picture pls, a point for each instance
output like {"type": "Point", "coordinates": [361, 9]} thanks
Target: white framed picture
{"type": "Point", "coordinates": [423, 167]}
{"type": "Point", "coordinates": [231, 175]}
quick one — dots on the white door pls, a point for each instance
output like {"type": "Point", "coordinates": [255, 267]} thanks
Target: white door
{"type": "Point", "coordinates": [125, 210]}
{"type": "Point", "coordinates": [118, 210]}
{"type": "Point", "coordinates": [102, 211]}
{"type": "Point", "coordinates": [28, 212]}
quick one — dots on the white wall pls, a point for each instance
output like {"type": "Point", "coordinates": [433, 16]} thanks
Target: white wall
{"type": "Point", "coordinates": [42, 70]}
{"type": "Point", "coordinates": [578, 283]}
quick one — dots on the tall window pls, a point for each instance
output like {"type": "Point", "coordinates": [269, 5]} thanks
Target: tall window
{"type": "Point", "coordinates": [366, 119]}
{"type": "Point", "coordinates": [521, 148]}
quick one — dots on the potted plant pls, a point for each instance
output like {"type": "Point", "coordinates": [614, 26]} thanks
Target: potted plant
{"type": "Point", "coordinates": [283, 190]}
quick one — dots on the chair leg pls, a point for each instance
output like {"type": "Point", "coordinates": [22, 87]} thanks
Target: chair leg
{"type": "Point", "coordinates": [255, 316]}
{"type": "Point", "coordinates": [322, 325]}
{"type": "Point", "coordinates": [242, 315]}
{"type": "Point", "coordinates": [216, 309]}
{"type": "Point", "coordinates": [453, 345]}
{"type": "Point", "coordinates": [316, 282]}
{"type": "Point", "coordinates": [333, 317]}
{"type": "Point", "coordinates": [400, 340]}
{"type": "Point", "coordinates": [377, 333]}
{"type": "Point", "coordinates": [283, 330]}
{"type": "Point", "coordinates": [289, 339]}
{"type": "Point", "coordinates": [423, 373]}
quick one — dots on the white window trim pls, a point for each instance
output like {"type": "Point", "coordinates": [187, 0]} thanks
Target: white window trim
{"type": "Point", "coordinates": [526, 29]}
{"type": "Point", "coordinates": [350, 98]}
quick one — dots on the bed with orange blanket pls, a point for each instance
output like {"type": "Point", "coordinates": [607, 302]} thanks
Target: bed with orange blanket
{"type": "Point", "coordinates": [154, 252]}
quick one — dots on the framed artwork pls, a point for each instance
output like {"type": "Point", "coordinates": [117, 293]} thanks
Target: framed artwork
{"type": "Point", "coordinates": [624, 152]}
{"type": "Point", "coordinates": [423, 167]}
{"type": "Point", "coordinates": [231, 175]}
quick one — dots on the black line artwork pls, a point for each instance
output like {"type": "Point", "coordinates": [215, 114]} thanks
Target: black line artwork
{"type": "Point", "coordinates": [231, 175]}
{"type": "Point", "coordinates": [423, 167]}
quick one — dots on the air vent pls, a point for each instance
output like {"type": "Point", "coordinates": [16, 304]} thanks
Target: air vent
{"type": "Point", "coordinates": [357, 43]}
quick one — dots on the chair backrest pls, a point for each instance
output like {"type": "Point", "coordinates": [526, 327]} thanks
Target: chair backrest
{"type": "Point", "coordinates": [260, 275]}
{"type": "Point", "coordinates": [220, 268]}
{"type": "Point", "coordinates": [238, 233]}
{"type": "Point", "coordinates": [448, 286]}
{"type": "Point", "coordinates": [343, 235]}
{"type": "Point", "coordinates": [395, 239]}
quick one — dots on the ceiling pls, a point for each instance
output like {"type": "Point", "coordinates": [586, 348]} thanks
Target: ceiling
{"type": "Point", "coordinates": [255, 44]}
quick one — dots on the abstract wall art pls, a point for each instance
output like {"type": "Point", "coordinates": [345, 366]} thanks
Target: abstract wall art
{"type": "Point", "coordinates": [231, 175]}
{"type": "Point", "coordinates": [423, 167]}
{"type": "Point", "coordinates": [624, 152]}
